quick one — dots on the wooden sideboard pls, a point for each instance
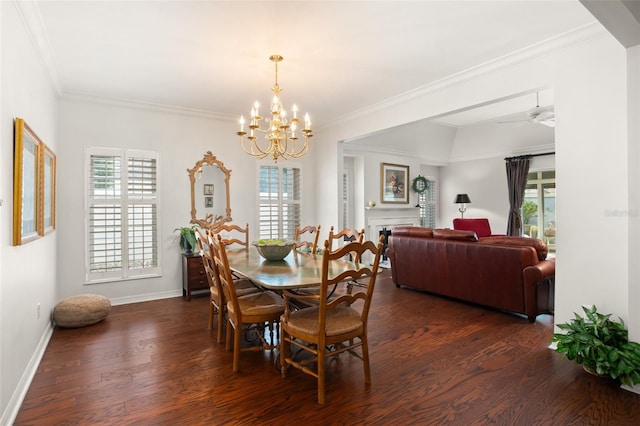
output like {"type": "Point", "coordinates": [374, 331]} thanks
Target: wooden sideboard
{"type": "Point", "coordinates": [193, 275]}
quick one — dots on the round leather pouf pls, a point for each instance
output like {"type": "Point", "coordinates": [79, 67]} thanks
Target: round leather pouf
{"type": "Point", "coordinates": [81, 310]}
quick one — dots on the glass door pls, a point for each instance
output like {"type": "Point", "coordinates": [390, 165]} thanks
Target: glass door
{"type": "Point", "coordinates": [539, 208]}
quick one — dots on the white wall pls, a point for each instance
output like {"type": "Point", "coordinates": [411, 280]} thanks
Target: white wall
{"type": "Point", "coordinates": [486, 183]}
{"type": "Point", "coordinates": [478, 168]}
{"type": "Point", "coordinates": [28, 272]}
{"type": "Point", "coordinates": [181, 140]}
{"type": "Point", "coordinates": [633, 112]}
{"type": "Point", "coordinates": [592, 179]}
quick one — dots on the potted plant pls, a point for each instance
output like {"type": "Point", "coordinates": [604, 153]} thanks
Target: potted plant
{"type": "Point", "coordinates": [187, 239]}
{"type": "Point", "coordinates": [601, 345]}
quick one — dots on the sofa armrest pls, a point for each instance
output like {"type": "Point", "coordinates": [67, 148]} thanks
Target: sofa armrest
{"type": "Point", "coordinates": [540, 271]}
{"type": "Point", "coordinates": [538, 288]}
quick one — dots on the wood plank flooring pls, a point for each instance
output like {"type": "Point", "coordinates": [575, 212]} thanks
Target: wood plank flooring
{"type": "Point", "coordinates": [434, 362]}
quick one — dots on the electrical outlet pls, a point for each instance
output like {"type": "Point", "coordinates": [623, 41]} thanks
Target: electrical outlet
{"type": "Point", "coordinates": [38, 307]}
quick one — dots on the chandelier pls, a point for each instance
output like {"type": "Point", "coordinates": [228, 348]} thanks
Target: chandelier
{"type": "Point", "coordinates": [281, 139]}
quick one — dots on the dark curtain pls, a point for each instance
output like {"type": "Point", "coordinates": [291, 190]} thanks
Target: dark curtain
{"type": "Point", "coordinates": [517, 171]}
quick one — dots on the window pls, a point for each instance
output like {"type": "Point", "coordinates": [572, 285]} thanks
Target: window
{"type": "Point", "coordinates": [427, 202]}
{"type": "Point", "coordinates": [122, 214]}
{"type": "Point", "coordinates": [279, 201]}
{"type": "Point", "coordinates": [539, 207]}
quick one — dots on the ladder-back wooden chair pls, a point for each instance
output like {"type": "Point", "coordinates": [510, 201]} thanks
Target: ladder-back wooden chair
{"type": "Point", "coordinates": [257, 310]}
{"type": "Point", "coordinates": [345, 235]}
{"type": "Point", "coordinates": [331, 327]}
{"type": "Point", "coordinates": [216, 295]}
{"type": "Point", "coordinates": [233, 234]}
{"type": "Point", "coordinates": [299, 238]}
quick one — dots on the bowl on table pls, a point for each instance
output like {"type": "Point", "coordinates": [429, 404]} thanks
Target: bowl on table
{"type": "Point", "coordinates": [274, 249]}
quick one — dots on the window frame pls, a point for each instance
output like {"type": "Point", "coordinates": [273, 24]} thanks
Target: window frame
{"type": "Point", "coordinates": [279, 202]}
{"type": "Point", "coordinates": [125, 201]}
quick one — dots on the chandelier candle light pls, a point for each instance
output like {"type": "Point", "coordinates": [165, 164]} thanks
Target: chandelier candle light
{"type": "Point", "coordinates": [280, 132]}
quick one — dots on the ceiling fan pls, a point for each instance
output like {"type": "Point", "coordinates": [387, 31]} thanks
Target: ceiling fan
{"type": "Point", "coordinates": [538, 115]}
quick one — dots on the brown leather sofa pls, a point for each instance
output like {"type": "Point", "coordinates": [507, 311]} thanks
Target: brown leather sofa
{"type": "Point", "coordinates": [506, 273]}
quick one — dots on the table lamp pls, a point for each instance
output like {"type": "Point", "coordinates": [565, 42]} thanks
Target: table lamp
{"type": "Point", "coordinates": [462, 199]}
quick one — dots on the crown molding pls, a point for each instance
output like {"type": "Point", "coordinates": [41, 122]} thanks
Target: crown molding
{"type": "Point", "coordinates": [536, 149]}
{"type": "Point", "coordinates": [150, 106]}
{"type": "Point", "coordinates": [555, 44]}
{"type": "Point", "coordinates": [32, 19]}
{"type": "Point", "coordinates": [358, 150]}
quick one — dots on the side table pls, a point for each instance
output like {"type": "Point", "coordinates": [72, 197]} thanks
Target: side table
{"type": "Point", "coordinates": [193, 275]}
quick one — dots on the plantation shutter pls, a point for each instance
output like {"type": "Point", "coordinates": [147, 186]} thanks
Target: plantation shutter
{"type": "Point", "coordinates": [279, 201]}
{"type": "Point", "coordinates": [428, 206]}
{"type": "Point", "coordinates": [345, 199]}
{"type": "Point", "coordinates": [112, 253]}
{"type": "Point", "coordinates": [142, 213]}
{"type": "Point", "coordinates": [431, 205]}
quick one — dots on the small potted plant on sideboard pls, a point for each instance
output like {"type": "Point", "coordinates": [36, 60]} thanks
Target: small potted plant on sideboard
{"type": "Point", "coordinates": [187, 239]}
{"type": "Point", "coordinates": [601, 345]}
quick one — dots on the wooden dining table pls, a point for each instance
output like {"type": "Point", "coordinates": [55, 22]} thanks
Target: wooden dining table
{"type": "Point", "coordinates": [297, 270]}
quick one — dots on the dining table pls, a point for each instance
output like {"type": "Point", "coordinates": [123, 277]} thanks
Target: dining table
{"type": "Point", "coordinates": [296, 270]}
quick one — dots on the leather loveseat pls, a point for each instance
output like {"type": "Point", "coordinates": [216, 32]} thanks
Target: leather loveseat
{"type": "Point", "coordinates": [507, 273]}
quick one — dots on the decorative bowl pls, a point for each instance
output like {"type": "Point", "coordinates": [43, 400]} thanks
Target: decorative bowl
{"type": "Point", "coordinates": [273, 249]}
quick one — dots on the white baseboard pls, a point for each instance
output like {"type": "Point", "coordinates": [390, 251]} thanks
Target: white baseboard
{"type": "Point", "coordinates": [634, 388]}
{"type": "Point", "coordinates": [10, 414]}
{"type": "Point", "coordinates": [146, 297]}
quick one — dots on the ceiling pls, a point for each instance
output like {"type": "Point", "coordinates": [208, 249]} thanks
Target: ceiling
{"type": "Point", "coordinates": [339, 57]}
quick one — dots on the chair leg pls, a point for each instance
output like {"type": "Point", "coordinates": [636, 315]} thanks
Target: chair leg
{"type": "Point", "coordinates": [285, 349]}
{"type": "Point", "coordinates": [321, 375]}
{"type": "Point", "coordinates": [236, 348]}
{"type": "Point", "coordinates": [365, 359]}
{"type": "Point", "coordinates": [211, 312]}
{"type": "Point", "coordinates": [229, 331]}
{"type": "Point", "coordinates": [220, 324]}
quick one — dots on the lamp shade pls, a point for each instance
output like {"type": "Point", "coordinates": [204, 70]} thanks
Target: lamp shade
{"type": "Point", "coordinates": [462, 199]}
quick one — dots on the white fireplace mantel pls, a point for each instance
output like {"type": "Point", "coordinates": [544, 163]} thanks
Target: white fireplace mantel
{"type": "Point", "coordinates": [385, 218]}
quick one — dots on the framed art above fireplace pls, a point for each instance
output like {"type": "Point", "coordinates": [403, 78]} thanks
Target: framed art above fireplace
{"type": "Point", "coordinates": [394, 183]}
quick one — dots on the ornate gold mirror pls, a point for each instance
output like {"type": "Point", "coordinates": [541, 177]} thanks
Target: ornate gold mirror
{"type": "Point", "coordinates": [210, 192]}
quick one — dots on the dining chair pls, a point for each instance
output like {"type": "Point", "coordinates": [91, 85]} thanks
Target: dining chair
{"type": "Point", "coordinates": [331, 327]}
{"type": "Point", "coordinates": [256, 311]}
{"type": "Point", "coordinates": [216, 295]}
{"type": "Point", "coordinates": [233, 234]}
{"type": "Point", "coordinates": [298, 236]}
{"type": "Point", "coordinates": [347, 235]}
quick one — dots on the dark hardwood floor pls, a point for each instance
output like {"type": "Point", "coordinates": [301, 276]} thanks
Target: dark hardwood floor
{"type": "Point", "coordinates": [434, 362]}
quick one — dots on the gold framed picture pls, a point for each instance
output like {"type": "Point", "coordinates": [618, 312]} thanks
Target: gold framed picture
{"type": "Point", "coordinates": [394, 183]}
{"type": "Point", "coordinates": [34, 186]}
{"type": "Point", "coordinates": [47, 191]}
{"type": "Point", "coordinates": [27, 147]}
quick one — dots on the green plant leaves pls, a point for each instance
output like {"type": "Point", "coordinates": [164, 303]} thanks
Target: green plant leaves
{"type": "Point", "coordinates": [187, 236]}
{"type": "Point", "coordinates": [601, 345]}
